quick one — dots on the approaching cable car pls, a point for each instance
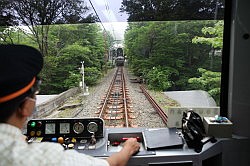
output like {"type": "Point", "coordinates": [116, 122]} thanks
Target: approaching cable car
{"type": "Point", "coordinates": [119, 52]}
{"type": "Point", "coordinates": [119, 61]}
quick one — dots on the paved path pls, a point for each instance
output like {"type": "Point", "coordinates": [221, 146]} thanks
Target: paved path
{"type": "Point", "coordinates": [194, 98]}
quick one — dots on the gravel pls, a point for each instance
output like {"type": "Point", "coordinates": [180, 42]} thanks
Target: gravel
{"type": "Point", "coordinates": [145, 115]}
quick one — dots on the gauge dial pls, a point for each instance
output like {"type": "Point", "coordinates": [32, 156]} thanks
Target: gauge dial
{"type": "Point", "coordinates": [92, 127]}
{"type": "Point", "coordinates": [78, 128]}
{"type": "Point", "coordinates": [64, 128]}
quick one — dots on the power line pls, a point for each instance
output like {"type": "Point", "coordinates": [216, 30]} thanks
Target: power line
{"type": "Point", "coordinates": [105, 40]}
{"type": "Point", "coordinates": [108, 11]}
{"type": "Point", "coordinates": [97, 15]}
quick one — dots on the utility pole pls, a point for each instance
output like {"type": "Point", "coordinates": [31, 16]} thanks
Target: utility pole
{"type": "Point", "coordinates": [82, 72]}
{"type": "Point", "coordinates": [84, 88]}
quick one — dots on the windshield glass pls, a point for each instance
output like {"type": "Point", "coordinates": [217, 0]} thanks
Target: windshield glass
{"type": "Point", "coordinates": [172, 47]}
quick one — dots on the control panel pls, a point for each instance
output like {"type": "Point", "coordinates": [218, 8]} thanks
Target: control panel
{"type": "Point", "coordinates": [71, 133]}
{"type": "Point", "coordinates": [158, 146]}
{"type": "Point", "coordinates": [88, 135]}
{"type": "Point", "coordinates": [78, 128]}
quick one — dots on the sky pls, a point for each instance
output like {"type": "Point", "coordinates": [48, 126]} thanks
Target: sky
{"type": "Point", "coordinates": [113, 20]}
{"type": "Point", "coordinates": [109, 13]}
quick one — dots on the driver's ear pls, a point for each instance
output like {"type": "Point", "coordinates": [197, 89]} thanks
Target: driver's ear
{"type": "Point", "coordinates": [27, 107]}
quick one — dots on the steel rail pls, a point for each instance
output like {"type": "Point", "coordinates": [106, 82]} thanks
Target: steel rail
{"type": "Point", "coordinates": [159, 110]}
{"type": "Point", "coordinates": [107, 95]}
{"type": "Point", "coordinates": [125, 99]}
{"type": "Point", "coordinates": [114, 109]}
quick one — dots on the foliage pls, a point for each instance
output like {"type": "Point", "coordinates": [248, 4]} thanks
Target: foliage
{"type": "Point", "coordinates": [159, 78]}
{"type": "Point", "coordinates": [155, 10]}
{"type": "Point", "coordinates": [209, 81]}
{"type": "Point", "coordinates": [92, 75]}
{"type": "Point", "coordinates": [215, 33]}
{"type": "Point", "coordinates": [214, 38]}
{"type": "Point", "coordinates": [72, 80]}
{"type": "Point", "coordinates": [167, 45]}
{"type": "Point", "coordinates": [45, 13]}
{"type": "Point", "coordinates": [6, 18]}
{"type": "Point", "coordinates": [69, 46]}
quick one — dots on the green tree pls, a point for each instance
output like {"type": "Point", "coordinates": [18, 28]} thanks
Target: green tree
{"type": "Point", "coordinates": [66, 65]}
{"type": "Point", "coordinates": [159, 78]}
{"type": "Point", "coordinates": [167, 44]}
{"type": "Point", "coordinates": [214, 38]}
{"type": "Point", "coordinates": [155, 10]}
{"type": "Point", "coordinates": [6, 17]}
{"type": "Point", "coordinates": [69, 46]}
{"type": "Point", "coordinates": [92, 75]}
{"type": "Point", "coordinates": [215, 35]}
{"type": "Point", "coordinates": [45, 13]}
{"type": "Point", "coordinates": [208, 81]}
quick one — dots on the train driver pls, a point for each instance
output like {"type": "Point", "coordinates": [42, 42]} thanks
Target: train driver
{"type": "Point", "coordinates": [19, 67]}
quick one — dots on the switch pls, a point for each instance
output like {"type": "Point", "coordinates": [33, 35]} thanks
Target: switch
{"type": "Point", "coordinates": [38, 133]}
{"type": "Point", "coordinates": [81, 147]}
{"type": "Point", "coordinates": [91, 147]}
{"type": "Point", "coordinates": [67, 141]}
{"type": "Point", "coordinates": [93, 140]}
{"type": "Point", "coordinates": [65, 146]}
{"type": "Point", "coordinates": [73, 140]}
{"type": "Point", "coordinates": [32, 133]}
{"type": "Point", "coordinates": [71, 146]}
{"type": "Point", "coordinates": [39, 124]}
{"type": "Point", "coordinates": [83, 141]}
{"type": "Point", "coordinates": [33, 124]}
{"type": "Point", "coordinates": [54, 139]}
{"type": "Point", "coordinates": [60, 140]}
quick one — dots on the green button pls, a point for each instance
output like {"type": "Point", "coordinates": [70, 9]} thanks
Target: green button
{"type": "Point", "coordinates": [33, 124]}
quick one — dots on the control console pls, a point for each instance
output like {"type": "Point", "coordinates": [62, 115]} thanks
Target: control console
{"type": "Point", "coordinates": [158, 146]}
{"type": "Point", "coordinates": [88, 135]}
{"type": "Point", "coordinates": [69, 132]}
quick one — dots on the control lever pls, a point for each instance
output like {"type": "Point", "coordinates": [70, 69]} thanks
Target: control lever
{"type": "Point", "coordinates": [137, 138]}
{"type": "Point", "coordinates": [93, 139]}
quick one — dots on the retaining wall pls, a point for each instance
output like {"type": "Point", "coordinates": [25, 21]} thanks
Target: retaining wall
{"type": "Point", "coordinates": [48, 107]}
{"type": "Point", "coordinates": [175, 114]}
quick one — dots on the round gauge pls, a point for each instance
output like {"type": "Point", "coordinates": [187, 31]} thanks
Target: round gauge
{"type": "Point", "coordinates": [78, 128]}
{"type": "Point", "coordinates": [92, 127]}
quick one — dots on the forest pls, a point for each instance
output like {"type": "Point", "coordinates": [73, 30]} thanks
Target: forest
{"type": "Point", "coordinates": [175, 54]}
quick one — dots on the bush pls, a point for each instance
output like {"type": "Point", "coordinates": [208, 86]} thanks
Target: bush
{"type": "Point", "coordinates": [92, 75]}
{"type": "Point", "coordinates": [160, 78]}
{"type": "Point", "coordinates": [209, 81]}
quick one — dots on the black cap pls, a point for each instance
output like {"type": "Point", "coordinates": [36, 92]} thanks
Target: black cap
{"type": "Point", "coordinates": [19, 65]}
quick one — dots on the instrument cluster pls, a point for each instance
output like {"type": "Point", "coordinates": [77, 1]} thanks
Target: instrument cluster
{"type": "Point", "coordinates": [66, 127]}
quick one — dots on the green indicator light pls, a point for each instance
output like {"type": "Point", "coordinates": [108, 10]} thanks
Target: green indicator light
{"type": "Point", "coordinates": [33, 124]}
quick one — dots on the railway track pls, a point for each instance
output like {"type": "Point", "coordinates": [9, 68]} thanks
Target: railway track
{"type": "Point", "coordinates": [116, 106]}
{"type": "Point", "coordinates": [159, 110]}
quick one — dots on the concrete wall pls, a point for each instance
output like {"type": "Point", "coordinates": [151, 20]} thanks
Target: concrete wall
{"type": "Point", "coordinates": [46, 108]}
{"type": "Point", "coordinates": [175, 114]}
